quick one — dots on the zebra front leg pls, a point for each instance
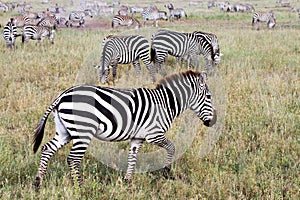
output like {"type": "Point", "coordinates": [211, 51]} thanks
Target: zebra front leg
{"type": "Point", "coordinates": [162, 141]}
{"type": "Point", "coordinates": [114, 69]}
{"type": "Point", "coordinates": [137, 66]}
{"type": "Point", "coordinates": [135, 145]}
{"type": "Point", "coordinates": [104, 75]}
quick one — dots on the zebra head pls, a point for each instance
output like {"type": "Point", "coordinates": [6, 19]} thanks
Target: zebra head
{"type": "Point", "coordinates": [88, 12]}
{"type": "Point", "coordinates": [272, 20]}
{"type": "Point", "coordinates": [201, 102]}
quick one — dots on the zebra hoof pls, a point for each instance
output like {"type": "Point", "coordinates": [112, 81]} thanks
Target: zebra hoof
{"type": "Point", "coordinates": [37, 182]}
{"type": "Point", "coordinates": [167, 173]}
{"type": "Point", "coordinates": [128, 180]}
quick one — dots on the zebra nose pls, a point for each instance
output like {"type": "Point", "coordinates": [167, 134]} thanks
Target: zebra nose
{"type": "Point", "coordinates": [212, 121]}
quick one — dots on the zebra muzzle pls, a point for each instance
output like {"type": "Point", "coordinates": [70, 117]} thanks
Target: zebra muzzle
{"type": "Point", "coordinates": [212, 121]}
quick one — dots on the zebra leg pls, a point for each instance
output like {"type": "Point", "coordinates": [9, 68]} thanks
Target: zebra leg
{"type": "Point", "coordinates": [151, 70]}
{"type": "Point", "coordinates": [104, 76]}
{"type": "Point", "coordinates": [162, 141]}
{"type": "Point", "coordinates": [135, 145]}
{"type": "Point", "coordinates": [114, 68]}
{"type": "Point", "coordinates": [61, 138]}
{"type": "Point", "coordinates": [137, 66]}
{"type": "Point", "coordinates": [74, 158]}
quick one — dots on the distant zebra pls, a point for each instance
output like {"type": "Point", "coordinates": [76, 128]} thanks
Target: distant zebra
{"type": "Point", "coordinates": [183, 45]}
{"type": "Point", "coordinates": [124, 50]}
{"type": "Point", "coordinates": [119, 20]}
{"type": "Point", "coordinates": [268, 17]}
{"type": "Point", "coordinates": [78, 16]}
{"type": "Point", "coordinates": [153, 15]}
{"type": "Point", "coordinates": [21, 21]}
{"type": "Point", "coordinates": [49, 21]}
{"type": "Point", "coordinates": [10, 33]}
{"type": "Point", "coordinates": [139, 114]}
{"type": "Point", "coordinates": [37, 33]}
{"type": "Point", "coordinates": [135, 9]}
{"type": "Point", "coordinates": [284, 3]}
{"type": "Point", "coordinates": [177, 13]}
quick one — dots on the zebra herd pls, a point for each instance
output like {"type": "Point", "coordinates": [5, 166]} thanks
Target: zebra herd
{"type": "Point", "coordinates": [35, 32]}
{"type": "Point", "coordinates": [151, 13]}
{"type": "Point", "coordinates": [138, 114]}
{"type": "Point", "coordinates": [129, 49]}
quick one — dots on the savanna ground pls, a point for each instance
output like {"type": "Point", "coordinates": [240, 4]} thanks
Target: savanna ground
{"type": "Point", "coordinates": [255, 147]}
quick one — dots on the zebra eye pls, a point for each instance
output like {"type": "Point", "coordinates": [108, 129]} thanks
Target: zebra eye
{"type": "Point", "coordinates": [208, 96]}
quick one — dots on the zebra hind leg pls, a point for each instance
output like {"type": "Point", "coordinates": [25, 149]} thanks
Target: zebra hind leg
{"type": "Point", "coordinates": [74, 158]}
{"type": "Point", "coordinates": [61, 138]}
{"type": "Point", "coordinates": [135, 145]}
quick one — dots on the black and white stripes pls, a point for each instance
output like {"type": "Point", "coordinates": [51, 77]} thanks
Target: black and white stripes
{"type": "Point", "coordinates": [182, 45]}
{"type": "Point", "coordinates": [268, 17]}
{"type": "Point", "coordinates": [78, 17]}
{"type": "Point", "coordinates": [138, 115]}
{"type": "Point", "coordinates": [37, 33]}
{"type": "Point", "coordinates": [10, 33]}
{"type": "Point", "coordinates": [124, 50]}
{"type": "Point", "coordinates": [120, 20]}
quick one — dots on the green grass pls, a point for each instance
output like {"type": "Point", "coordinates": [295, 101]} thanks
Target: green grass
{"type": "Point", "coordinates": [255, 87]}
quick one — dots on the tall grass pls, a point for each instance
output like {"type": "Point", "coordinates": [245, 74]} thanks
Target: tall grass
{"type": "Point", "coordinates": [256, 87]}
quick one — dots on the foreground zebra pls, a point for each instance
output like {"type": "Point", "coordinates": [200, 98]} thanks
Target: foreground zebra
{"type": "Point", "coordinates": [183, 45]}
{"type": "Point", "coordinates": [37, 33]}
{"type": "Point", "coordinates": [124, 50]}
{"type": "Point", "coordinates": [10, 34]}
{"type": "Point", "coordinates": [119, 20]}
{"type": "Point", "coordinates": [141, 114]}
{"type": "Point", "coordinates": [268, 17]}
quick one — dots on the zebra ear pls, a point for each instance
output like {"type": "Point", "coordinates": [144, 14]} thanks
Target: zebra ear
{"type": "Point", "coordinates": [203, 76]}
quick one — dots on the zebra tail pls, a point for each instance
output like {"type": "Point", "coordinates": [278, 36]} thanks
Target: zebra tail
{"type": "Point", "coordinates": [152, 55]}
{"type": "Point", "coordinates": [39, 130]}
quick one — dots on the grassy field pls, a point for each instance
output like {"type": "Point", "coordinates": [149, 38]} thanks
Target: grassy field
{"type": "Point", "coordinates": [255, 152]}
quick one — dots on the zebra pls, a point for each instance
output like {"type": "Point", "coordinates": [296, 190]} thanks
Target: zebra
{"type": "Point", "coordinates": [124, 50]}
{"type": "Point", "coordinates": [48, 21]}
{"type": "Point", "coordinates": [136, 9]}
{"type": "Point", "coordinates": [10, 34]}
{"type": "Point", "coordinates": [21, 21]}
{"type": "Point", "coordinates": [183, 45]}
{"type": "Point", "coordinates": [178, 12]}
{"type": "Point", "coordinates": [119, 20]}
{"type": "Point", "coordinates": [268, 17]}
{"type": "Point", "coordinates": [284, 3]}
{"type": "Point", "coordinates": [153, 14]}
{"type": "Point", "coordinates": [78, 16]}
{"type": "Point", "coordinates": [109, 114]}
{"type": "Point", "coordinates": [37, 33]}
{"type": "Point", "coordinates": [243, 7]}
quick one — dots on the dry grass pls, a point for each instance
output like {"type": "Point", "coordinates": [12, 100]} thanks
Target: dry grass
{"type": "Point", "coordinates": [255, 87]}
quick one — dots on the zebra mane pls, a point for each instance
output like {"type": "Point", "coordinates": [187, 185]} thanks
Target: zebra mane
{"type": "Point", "coordinates": [172, 77]}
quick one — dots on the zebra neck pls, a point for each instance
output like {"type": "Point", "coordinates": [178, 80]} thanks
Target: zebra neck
{"type": "Point", "coordinates": [173, 100]}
